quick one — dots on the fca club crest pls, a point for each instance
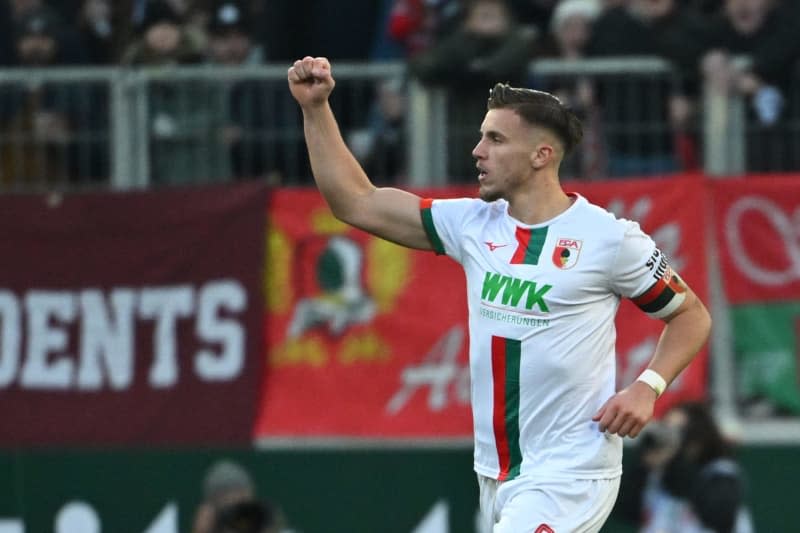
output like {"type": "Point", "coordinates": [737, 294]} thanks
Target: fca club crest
{"type": "Point", "coordinates": [566, 253]}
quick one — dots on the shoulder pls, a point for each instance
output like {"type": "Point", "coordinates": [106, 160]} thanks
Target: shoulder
{"type": "Point", "coordinates": [618, 243]}
{"type": "Point", "coordinates": [466, 209]}
{"type": "Point", "coordinates": [604, 222]}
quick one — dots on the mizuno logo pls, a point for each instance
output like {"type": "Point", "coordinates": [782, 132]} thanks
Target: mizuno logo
{"type": "Point", "coordinates": [492, 246]}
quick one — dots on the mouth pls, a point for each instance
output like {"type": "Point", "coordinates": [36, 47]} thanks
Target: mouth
{"type": "Point", "coordinates": [481, 174]}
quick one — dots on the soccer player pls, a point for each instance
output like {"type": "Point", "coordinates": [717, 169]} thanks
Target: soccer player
{"type": "Point", "coordinates": [545, 273]}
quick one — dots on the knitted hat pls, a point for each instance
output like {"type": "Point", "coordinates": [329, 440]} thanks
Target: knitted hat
{"type": "Point", "coordinates": [228, 16]}
{"type": "Point", "coordinates": [569, 8]}
{"type": "Point", "coordinates": [223, 476]}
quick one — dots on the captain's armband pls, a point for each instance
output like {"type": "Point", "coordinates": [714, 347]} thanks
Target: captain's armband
{"type": "Point", "coordinates": [664, 296]}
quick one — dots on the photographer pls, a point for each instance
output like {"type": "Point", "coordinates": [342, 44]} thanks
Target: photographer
{"type": "Point", "coordinates": [691, 483]}
{"type": "Point", "coordinates": [250, 516]}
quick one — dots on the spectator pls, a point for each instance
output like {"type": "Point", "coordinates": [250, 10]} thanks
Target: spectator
{"type": "Point", "coordinates": [96, 27]}
{"type": "Point", "coordinates": [163, 39]}
{"type": "Point", "coordinates": [225, 483]}
{"type": "Point", "coordinates": [249, 517]}
{"type": "Point", "coordinates": [570, 28]}
{"type": "Point", "coordinates": [70, 49]}
{"type": "Point", "coordinates": [618, 32]}
{"type": "Point", "coordinates": [230, 35]}
{"type": "Point", "coordinates": [418, 24]}
{"type": "Point", "coordinates": [261, 132]}
{"type": "Point", "coordinates": [765, 32]}
{"type": "Point", "coordinates": [568, 35]}
{"type": "Point", "coordinates": [39, 120]}
{"type": "Point", "coordinates": [283, 42]}
{"type": "Point", "coordinates": [350, 37]}
{"type": "Point", "coordinates": [677, 33]}
{"type": "Point", "coordinates": [185, 115]}
{"type": "Point", "coordinates": [229, 497]}
{"type": "Point", "coordinates": [316, 27]}
{"type": "Point", "coordinates": [692, 484]}
{"type": "Point", "coordinates": [384, 47]}
{"type": "Point", "coordinates": [486, 47]}
{"type": "Point", "coordinates": [639, 136]}
{"type": "Point", "coordinates": [537, 13]}
{"type": "Point", "coordinates": [381, 147]}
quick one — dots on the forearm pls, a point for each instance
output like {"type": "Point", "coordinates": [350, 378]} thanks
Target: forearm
{"type": "Point", "coordinates": [627, 412]}
{"type": "Point", "coordinates": [337, 173]}
{"type": "Point", "coordinates": [389, 213]}
{"type": "Point", "coordinates": [682, 338]}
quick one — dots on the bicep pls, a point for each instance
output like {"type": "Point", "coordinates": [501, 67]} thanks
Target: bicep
{"type": "Point", "coordinates": [391, 214]}
{"type": "Point", "coordinates": [644, 274]}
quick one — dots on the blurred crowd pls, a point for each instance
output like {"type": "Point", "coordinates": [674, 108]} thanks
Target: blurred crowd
{"type": "Point", "coordinates": [462, 46]}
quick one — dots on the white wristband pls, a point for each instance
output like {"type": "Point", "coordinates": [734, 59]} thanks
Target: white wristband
{"type": "Point", "coordinates": [654, 380]}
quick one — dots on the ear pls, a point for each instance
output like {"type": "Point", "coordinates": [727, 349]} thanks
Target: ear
{"type": "Point", "coordinates": [542, 155]}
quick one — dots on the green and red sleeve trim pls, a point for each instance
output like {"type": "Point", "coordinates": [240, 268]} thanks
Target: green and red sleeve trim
{"type": "Point", "coordinates": [425, 205]}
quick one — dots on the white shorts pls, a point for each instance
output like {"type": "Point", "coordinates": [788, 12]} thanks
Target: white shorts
{"type": "Point", "coordinates": [525, 505]}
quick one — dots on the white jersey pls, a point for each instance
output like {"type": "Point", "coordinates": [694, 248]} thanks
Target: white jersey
{"type": "Point", "coordinates": [542, 300]}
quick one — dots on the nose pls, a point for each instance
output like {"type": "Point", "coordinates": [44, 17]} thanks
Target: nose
{"type": "Point", "coordinates": [478, 152]}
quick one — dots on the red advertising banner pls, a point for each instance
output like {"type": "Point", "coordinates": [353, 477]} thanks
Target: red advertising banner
{"type": "Point", "coordinates": [365, 338]}
{"type": "Point", "coordinates": [757, 223]}
{"type": "Point", "coordinates": [131, 318]}
{"type": "Point", "coordinates": [369, 339]}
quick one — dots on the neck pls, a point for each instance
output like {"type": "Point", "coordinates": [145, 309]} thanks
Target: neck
{"type": "Point", "coordinates": [538, 203]}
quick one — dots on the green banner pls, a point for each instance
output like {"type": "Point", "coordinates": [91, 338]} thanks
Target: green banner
{"type": "Point", "coordinates": [766, 344]}
{"type": "Point", "coordinates": [320, 491]}
{"type": "Point", "coordinates": [158, 492]}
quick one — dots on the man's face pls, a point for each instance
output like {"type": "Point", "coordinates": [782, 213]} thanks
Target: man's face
{"type": "Point", "coordinates": [36, 49]}
{"type": "Point", "coordinates": [747, 16]}
{"type": "Point", "coordinates": [488, 18]}
{"type": "Point", "coordinates": [503, 154]}
{"type": "Point", "coordinates": [163, 37]}
{"type": "Point", "coordinates": [574, 32]}
{"type": "Point", "coordinates": [230, 48]}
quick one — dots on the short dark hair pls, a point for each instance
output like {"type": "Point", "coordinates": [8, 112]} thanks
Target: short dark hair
{"type": "Point", "coordinates": [541, 109]}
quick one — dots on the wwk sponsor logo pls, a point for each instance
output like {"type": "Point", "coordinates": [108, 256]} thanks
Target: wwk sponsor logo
{"type": "Point", "coordinates": [514, 292]}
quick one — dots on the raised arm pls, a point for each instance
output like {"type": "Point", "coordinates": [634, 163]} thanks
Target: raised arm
{"type": "Point", "coordinates": [386, 212]}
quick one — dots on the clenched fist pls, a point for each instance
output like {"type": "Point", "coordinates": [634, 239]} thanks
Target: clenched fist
{"type": "Point", "coordinates": [310, 81]}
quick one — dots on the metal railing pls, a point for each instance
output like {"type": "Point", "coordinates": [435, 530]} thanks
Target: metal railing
{"type": "Point", "coordinates": [52, 132]}
{"type": "Point", "coordinates": [127, 128]}
{"type": "Point", "coordinates": [623, 104]}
